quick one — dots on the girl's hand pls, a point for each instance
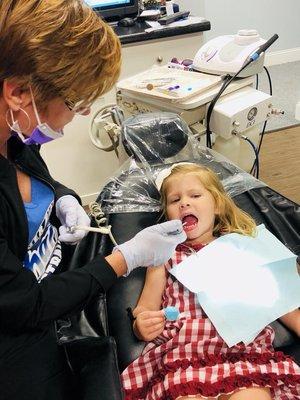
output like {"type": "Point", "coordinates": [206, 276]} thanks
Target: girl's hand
{"type": "Point", "coordinates": [149, 324]}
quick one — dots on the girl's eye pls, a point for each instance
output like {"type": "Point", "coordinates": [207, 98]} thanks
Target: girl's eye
{"type": "Point", "coordinates": [174, 200]}
{"type": "Point", "coordinates": [196, 195]}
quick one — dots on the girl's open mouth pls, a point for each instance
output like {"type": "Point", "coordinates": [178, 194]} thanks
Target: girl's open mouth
{"type": "Point", "coordinates": [189, 222]}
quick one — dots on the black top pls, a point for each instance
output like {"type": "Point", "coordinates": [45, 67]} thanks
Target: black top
{"type": "Point", "coordinates": [27, 306]}
{"type": "Point", "coordinates": [136, 33]}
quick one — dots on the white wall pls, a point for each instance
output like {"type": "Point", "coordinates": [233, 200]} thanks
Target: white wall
{"type": "Point", "coordinates": [196, 7]}
{"type": "Point", "coordinates": [267, 16]}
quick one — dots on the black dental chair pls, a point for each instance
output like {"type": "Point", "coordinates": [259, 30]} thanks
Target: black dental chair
{"type": "Point", "coordinates": [107, 317]}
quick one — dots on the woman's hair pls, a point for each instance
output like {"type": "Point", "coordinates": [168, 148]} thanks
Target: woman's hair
{"type": "Point", "coordinates": [229, 218]}
{"type": "Point", "coordinates": [61, 47]}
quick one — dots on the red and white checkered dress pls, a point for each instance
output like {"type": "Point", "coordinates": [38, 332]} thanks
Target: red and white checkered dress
{"type": "Point", "coordinates": [190, 358]}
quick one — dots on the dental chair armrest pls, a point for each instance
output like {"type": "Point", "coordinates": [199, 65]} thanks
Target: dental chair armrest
{"type": "Point", "coordinates": [90, 352]}
{"type": "Point", "coordinates": [120, 325]}
{"type": "Point", "coordinates": [95, 314]}
{"type": "Point", "coordinates": [283, 336]}
{"type": "Point", "coordinates": [126, 292]}
{"type": "Point", "coordinates": [292, 350]}
{"type": "Point", "coordinates": [93, 361]}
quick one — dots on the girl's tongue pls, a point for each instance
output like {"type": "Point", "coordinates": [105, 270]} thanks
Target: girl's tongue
{"type": "Point", "coordinates": [189, 223]}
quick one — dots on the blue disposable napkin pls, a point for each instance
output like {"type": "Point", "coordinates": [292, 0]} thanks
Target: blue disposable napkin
{"type": "Point", "coordinates": [243, 283]}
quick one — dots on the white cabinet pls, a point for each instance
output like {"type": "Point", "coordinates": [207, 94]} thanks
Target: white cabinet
{"type": "Point", "coordinates": [73, 160]}
{"type": "Point", "coordinates": [140, 56]}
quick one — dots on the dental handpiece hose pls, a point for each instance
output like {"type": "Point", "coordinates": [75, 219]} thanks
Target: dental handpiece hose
{"type": "Point", "coordinates": [264, 47]}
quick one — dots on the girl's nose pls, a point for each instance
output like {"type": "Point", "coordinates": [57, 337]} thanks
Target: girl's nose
{"type": "Point", "coordinates": [184, 203]}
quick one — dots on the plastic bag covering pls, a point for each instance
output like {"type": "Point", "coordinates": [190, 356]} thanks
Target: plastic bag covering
{"type": "Point", "coordinates": [155, 141]}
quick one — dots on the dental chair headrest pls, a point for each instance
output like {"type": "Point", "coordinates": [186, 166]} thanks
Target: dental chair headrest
{"type": "Point", "coordinates": [154, 137]}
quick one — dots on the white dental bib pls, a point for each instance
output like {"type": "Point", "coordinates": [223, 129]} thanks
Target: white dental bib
{"type": "Point", "coordinates": [243, 283]}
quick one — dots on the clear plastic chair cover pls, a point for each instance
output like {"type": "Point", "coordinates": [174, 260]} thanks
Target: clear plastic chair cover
{"type": "Point", "coordinates": [155, 141]}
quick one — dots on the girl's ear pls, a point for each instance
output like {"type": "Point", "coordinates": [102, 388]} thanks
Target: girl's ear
{"type": "Point", "coordinates": [219, 207]}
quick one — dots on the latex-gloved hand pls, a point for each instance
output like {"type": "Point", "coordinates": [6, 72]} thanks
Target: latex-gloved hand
{"type": "Point", "coordinates": [70, 213]}
{"type": "Point", "coordinates": [152, 246]}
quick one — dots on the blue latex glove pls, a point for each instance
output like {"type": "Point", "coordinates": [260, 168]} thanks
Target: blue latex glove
{"type": "Point", "coordinates": [70, 213]}
{"type": "Point", "coordinates": [152, 246]}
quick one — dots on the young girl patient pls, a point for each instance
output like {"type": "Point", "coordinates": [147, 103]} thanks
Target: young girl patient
{"type": "Point", "coordinates": [187, 358]}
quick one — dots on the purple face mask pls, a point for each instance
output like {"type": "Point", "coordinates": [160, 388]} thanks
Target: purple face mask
{"type": "Point", "coordinates": [41, 134]}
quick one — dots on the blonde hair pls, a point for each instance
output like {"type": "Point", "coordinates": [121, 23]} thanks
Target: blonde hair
{"type": "Point", "coordinates": [61, 47]}
{"type": "Point", "coordinates": [229, 218]}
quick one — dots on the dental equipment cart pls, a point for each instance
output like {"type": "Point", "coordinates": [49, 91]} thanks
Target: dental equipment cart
{"type": "Point", "coordinates": [240, 111]}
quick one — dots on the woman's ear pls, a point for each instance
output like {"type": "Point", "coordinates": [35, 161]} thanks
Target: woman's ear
{"type": "Point", "coordinates": [15, 94]}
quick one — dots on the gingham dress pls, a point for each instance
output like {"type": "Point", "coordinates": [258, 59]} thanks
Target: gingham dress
{"type": "Point", "coordinates": [190, 358]}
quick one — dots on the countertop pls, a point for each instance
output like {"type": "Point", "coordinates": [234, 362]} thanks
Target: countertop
{"type": "Point", "coordinates": [136, 33]}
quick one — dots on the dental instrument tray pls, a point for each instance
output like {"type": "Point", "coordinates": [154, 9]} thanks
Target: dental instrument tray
{"type": "Point", "coordinates": [168, 83]}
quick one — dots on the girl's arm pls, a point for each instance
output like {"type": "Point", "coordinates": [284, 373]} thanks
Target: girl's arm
{"type": "Point", "coordinates": [155, 282]}
{"type": "Point", "coordinates": [150, 319]}
{"type": "Point", "coordinates": [292, 321]}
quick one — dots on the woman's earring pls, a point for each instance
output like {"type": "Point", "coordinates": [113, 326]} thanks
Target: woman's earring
{"type": "Point", "coordinates": [14, 124]}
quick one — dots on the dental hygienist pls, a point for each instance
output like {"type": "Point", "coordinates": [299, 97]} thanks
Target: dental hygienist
{"type": "Point", "coordinates": [56, 57]}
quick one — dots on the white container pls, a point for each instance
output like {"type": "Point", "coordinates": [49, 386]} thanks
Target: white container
{"type": "Point", "coordinates": [169, 7]}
